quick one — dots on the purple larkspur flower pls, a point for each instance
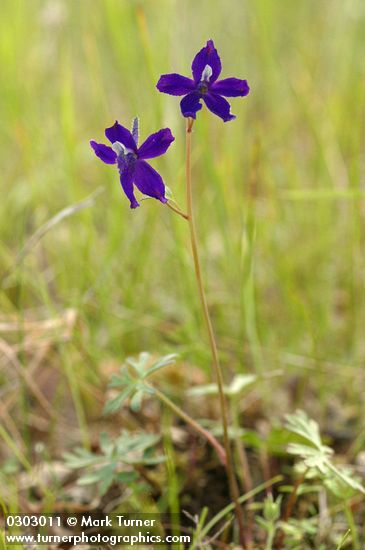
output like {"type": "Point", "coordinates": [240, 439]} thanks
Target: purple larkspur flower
{"type": "Point", "coordinates": [131, 159]}
{"type": "Point", "coordinates": [206, 68]}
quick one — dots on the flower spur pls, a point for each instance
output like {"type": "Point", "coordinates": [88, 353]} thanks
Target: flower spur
{"type": "Point", "coordinates": [131, 159]}
{"type": "Point", "coordinates": [206, 68]}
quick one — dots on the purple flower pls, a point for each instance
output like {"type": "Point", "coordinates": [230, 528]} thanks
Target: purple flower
{"type": "Point", "coordinates": [130, 159]}
{"type": "Point", "coordinates": [206, 68]}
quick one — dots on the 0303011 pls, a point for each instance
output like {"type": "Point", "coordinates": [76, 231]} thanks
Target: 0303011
{"type": "Point", "coordinates": [24, 520]}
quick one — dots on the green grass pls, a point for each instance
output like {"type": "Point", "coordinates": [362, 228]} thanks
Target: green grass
{"type": "Point", "coordinates": [278, 190]}
{"type": "Point", "coordinates": [279, 195]}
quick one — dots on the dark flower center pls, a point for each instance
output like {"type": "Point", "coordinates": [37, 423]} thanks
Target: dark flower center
{"type": "Point", "coordinates": [127, 161]}
{"type": "Point", "coordinates": [131, 156]}
{"type": "Point", "coordinates": [126, 158]}
{"type": "Point", "coordinates": [130, 160]}
{"type": "Point", "coordinates": [203, 87]}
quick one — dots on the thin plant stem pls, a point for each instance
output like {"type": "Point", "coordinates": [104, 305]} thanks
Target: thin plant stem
{"type": "Point", "coordinates": [241, 451]}
{"type": "Point", "coordinates": [270, 538]}
{"type": "Point", "coordinates": [289, 509]}
{"type": "Point", "coordinates": [25, 462]}
{"type": "Point", "coordinates": [214, 350]}
{"type": "Point", "coordinates": [343, 540]}
{"type": "Point", "coordinates": [243, 498]}
{"type": "Point", "coordinates": [197, 427]}
{"type": "Point", "coordinates": [177, 210]}
{"type": "Point", "coordinates": [172, 478]}
{"type": "Point", "coordinates": [352, 526]}
{"type": "Point", "coordinates": [244, 466]}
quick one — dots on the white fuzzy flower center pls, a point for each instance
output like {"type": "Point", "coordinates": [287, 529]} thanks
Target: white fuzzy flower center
{"type": "Point", "coordinates": [207, 73]}
{"type": "Point", "coordinates": [121, 149]}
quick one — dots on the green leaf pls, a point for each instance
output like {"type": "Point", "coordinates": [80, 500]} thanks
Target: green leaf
{"type": "Point", "coordinates": [126, 477]}
{"type": "Point", "coordinates": [106, 445]}
{"type": "Point", "coordinates": [208, 389]}
{"type": "Point", "coordinates": [139, 364]}
{"type": "Point", "coordinates": [136, 401]}
{"type": "Point", "coordinates": [153, 460]}
{"type": "Point", "coordinates": [316, 457]}
{"type": "Point", "coordinates": [263, 523]}
{"type": "Point", "coordinates": [303, 489]}
{"type": "Point", "coordinates": [80, 458]}
{"type": "Point", "coordinates": [301, 424]}
{"type": "Point", "coordinates": [313, 458]}
{"type": "Point", "coordinates": [161, 363]}
{"type": "Point", "coordinates": [240, 382]}
{"type": "Point", "coordinates": [106, 477]}
{"type": "Point", "coordinates": [116, 403]}
{"type": "Point", "coordinates": [120, 380]}
{"type": "Point", "coordinates": [298, 528]}
{"type": "Point", "coordinates": [89, 479]}
{"type": "Point", "coordinates": [135, 443]}
{"type": "Point", "coordinates": [346, 476]}
{"type": "Point", "coordinates": [272, 508]}
{"type": "Point", "coordinates": [217, 430]}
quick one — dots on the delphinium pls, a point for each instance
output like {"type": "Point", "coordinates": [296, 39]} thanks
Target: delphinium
{"type": "Point", "coordinates": [205, 86]}
{"type": "Point", "coordinates": [315, 459]}
{"type": "Point", "coordinates": [130, 160]}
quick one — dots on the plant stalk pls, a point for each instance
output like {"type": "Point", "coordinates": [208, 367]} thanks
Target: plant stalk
{"type": "Point", "coordinates": [177, 210]}
{"type": "Point", "coordinates": [289, 509]}
{"type": "Point", "coordinates": [214, 350]}
{"type": "Point", "coordinates": [352, 526]}
{"type": "Point", "coordinates": [197, 427]}
{"type": "Point", "coordinates": [245, 470]}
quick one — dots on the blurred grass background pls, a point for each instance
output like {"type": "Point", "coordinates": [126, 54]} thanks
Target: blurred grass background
{"type": "Point", "coordinates": [279, 192]}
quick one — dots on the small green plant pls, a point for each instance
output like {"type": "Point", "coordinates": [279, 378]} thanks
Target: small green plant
{"type": "Point", "coordinates": [316, 459]}
{"type": "Point", "coordinates": [131, 381]}
{"type": "Point", "coordinates": [296, 531]}
{"type": "Point", "coordinates": [117, 460]}
{"type": "Point", "coordinates": [271, 515]}
{"type": "Point", "coordinates": [132, 385]}
{"type": "Point", "coordinates": [315, 462]}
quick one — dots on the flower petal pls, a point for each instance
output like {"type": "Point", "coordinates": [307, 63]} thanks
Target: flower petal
{"type": "Point", "coordinates": [117, 132]}
{"type": "Point", "coordinates": [135, 130]}
{"type": "Point", "coordinates": [175, 84]}
{"type": "Point", "coordinates": [190, 104]}
{"type": "Point", "coordinates": [148, 181]}
{"type": "Point", "coordinates": [218, 105]}
{"type": "Point", "coordinates": [207, 56]}
{"type": "Point", "coordinates": [127, 174]}
{"type": "Point", "coordinates": [156, 144]}
{"type": "Point", "coordinates": [104, 152]}
{"type": "Point", "coordinates": [231, 87]}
